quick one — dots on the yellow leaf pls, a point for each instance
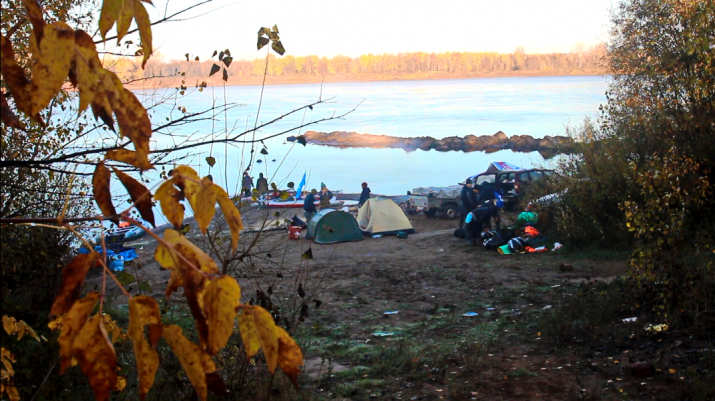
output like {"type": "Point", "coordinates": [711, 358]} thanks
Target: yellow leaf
{"type": "Point", "coordinates": [187, 180]}
{"type": "Point", "coordinates": [290, 357]}
{"type": "Point", "coordinates": [204, 204]}
{"type": "Point", "coordinates": [136, 159]}
{"type": "Point", "coordinates": [96, 357]}
{"type": "Point", "coordinates": [121, 384]}
{"type": "Point", "coordinates": [115, 331]}
{"type": "Point", "coordinates": [267, 333]}
{"type": "Point", "coordinates": [86, 65]}
{"type": "Point", "coordinates": [72, 323]}
{"type": "Point", "coordinates": [139, 194]}
{"type": "Point", "coordinates": [144, 310]}
{"type": "Point", "coordinates": [249, 334]}
{"type": "Point", "coordinates": [221, 303]}
{"type": "Point", "coordinates": [100, 189]}
{"type": "Point", "coordinates": [191, 251]}
{"type": "Point", "coordinates": [9, 324]}
{"type": "Point", "coordinates": [190, 356]}
{"type": "Point", "coordinates": [73, 275]}
{"type": "Point", "coordinates": [231, 214]}
{"type": "Point", "coordinates": [8, 359]}
{"type": "Point", "coordinates": [34, 14]}
{"type": "Point", "coordinates": [124, 19]}
{"type": "Point", "coordinates": [671, 370]}
{"type": "Point", "coordinates": [110, 13]}
{"type": "Point", "coordinates": [144, 24]}
{"type": "Point", "coordinates": [169, 197]}
{"type": "Point", "coordinates": [51, 64]}
{"type": "Point", "coordinates": [12, 393]}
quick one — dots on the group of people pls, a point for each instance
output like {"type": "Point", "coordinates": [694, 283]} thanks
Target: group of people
{"type": "Point", "coordinates": [247, 184]}
{"type": "Point", "coordinates": [324, 200]}
{"type": "Point", "coordinates": [480, 205]}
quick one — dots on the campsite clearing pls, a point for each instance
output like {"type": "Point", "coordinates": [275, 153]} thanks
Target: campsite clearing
{"type": "Point", "coordinates": [522, 342]}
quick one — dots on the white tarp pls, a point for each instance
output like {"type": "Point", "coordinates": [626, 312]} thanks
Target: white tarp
{"type": "Point", "coordinates": [439, 192]}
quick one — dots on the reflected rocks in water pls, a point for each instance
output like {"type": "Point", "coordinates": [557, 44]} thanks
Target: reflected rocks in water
{"type": "Point", "coordinates": [548, 146]}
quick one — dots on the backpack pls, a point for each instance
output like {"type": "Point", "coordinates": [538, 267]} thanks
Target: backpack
{"type": "Point", "coordinates": [492, 239]}
{"type": "Point", "coordinates": [459, 233]}
{"type": "Point", "coordinates": [517, 244]}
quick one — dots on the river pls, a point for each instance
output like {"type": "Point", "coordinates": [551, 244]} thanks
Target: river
{"type": "Point", "coordinates": [535, 106]}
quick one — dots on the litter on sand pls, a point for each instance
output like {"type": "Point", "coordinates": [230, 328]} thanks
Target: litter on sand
{"type": "Point", "coordinates": [394, 312]}
{"type": "Point", "coordinates": [557, 246]}
{"type": "Point", "coordinates": [383, 334]}
{"type": "Point", "coordinates": [377, 236]}
{"type": "Point", "coordinates": [470, 314]}
{"type": "Point", "coordinates": [491, 308]}
{"type": "Point", "coordinates": [547, 307]}
{"type": "Point", "coordinates": [630, 319]}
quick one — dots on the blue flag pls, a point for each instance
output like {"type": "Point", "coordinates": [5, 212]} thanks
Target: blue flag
{"type": "Point", "coordinates": [298, 194]}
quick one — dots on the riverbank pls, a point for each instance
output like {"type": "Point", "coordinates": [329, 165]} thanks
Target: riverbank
{"type": "Point", "coordinates": [172, 82]}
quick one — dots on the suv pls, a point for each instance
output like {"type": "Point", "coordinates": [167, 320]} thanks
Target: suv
{"type": "Point", "coordinates": [511, 182]}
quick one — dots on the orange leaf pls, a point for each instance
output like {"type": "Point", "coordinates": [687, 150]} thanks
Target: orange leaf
{"type": "Point", "coordinates": [96, 357]}
{"type": "Point", "coordinates": [139, 194]}
{"type": "Point", "coordinates": [190, 356]}
{"type": "Point", "coordinates": [136, 159]}
{"type": "Point", "coordinates": [169, 197]}
{"type": "Point", "coordinates": [102, 195]}
{"type": "Point", "coordinates": [268, 335]}
{"type": "Point", "coordinates": [204, 204]}
{"type": "Point", "coordinates": [72, 323]}
{"type": "Point", "coordinates": [15, 78]}
{"type": "Point", "coordinates": [221, 304]}
{"type": "Point", "coordinates": [231, 214]}
{"type": "Point", "coordinates": [144, 310]}
{"type": "Point", "coordinates": [249, 334]}
{"type": "Point", "coordinates": [73, 275]}
{"type": "Point", "coordinates": [8, 116]}
{"type": "Point", "coordinates": [290, 357]}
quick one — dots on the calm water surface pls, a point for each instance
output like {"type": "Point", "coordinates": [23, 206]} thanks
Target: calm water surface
{"type": "Point", "coordinates": [535, 106]}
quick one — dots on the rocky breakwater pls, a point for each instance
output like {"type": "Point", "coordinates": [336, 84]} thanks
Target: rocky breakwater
{"type": "Point", "coordinates": [469, 143]}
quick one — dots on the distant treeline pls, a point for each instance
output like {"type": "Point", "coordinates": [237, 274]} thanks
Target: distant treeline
{"type": "Point", "coordinates": [458, 63]}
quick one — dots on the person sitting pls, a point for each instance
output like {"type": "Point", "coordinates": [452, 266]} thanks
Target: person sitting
{"type": "Point", "coordinates": [309, 205]}
{"type": "Point", "coordinates": [325, 197]}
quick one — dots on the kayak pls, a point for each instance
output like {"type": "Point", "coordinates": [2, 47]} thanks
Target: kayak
{"type": "Point", "coordinates": [298, 203]}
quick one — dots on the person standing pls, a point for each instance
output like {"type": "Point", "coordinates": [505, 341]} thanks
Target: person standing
{"type": "Point", "coordinates": [309, 205]}
{"type": "Point", "coordinates": [261, 184]}
{"type": "Point", "coordinates": [365, 195]}
{"type": "Point", "coordinates": [247, 184]}
{"type": "Point", "coordinates": [469, 202]}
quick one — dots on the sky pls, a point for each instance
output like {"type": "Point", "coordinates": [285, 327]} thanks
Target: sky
{"type": "Point", "coordinates": [355, 27]}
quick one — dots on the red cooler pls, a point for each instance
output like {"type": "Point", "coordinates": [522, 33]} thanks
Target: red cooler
{"type": "Point", "coordinates": [293, 232]}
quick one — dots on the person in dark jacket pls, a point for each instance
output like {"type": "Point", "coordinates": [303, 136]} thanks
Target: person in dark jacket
{"type": "Point", "coordinates": [262, 184]}
{"type": "Point", "coordinates": [309, 205]}
{"type": "Point", "coordinates": [480, 219]}
{"type": "Point", "coordinates": [365, 195]}
{"type": "Point", "coordinates": [469, 201]}
{"type": "Point", "coordinates": [247, 184]}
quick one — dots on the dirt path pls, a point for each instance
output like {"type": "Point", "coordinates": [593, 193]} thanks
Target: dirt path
{"type": "Point", "coordinates": [431, 278]}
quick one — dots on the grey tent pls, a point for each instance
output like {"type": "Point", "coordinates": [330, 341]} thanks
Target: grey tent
{"type": "Point", "coordinates": [329, 226]}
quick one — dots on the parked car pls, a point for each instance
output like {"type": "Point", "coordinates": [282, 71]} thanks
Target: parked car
{"type": "Point", "coordinates": [511, 179]}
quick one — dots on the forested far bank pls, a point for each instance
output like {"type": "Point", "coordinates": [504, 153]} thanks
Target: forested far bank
{"type": "Point", "coordinates": [373, 67]}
